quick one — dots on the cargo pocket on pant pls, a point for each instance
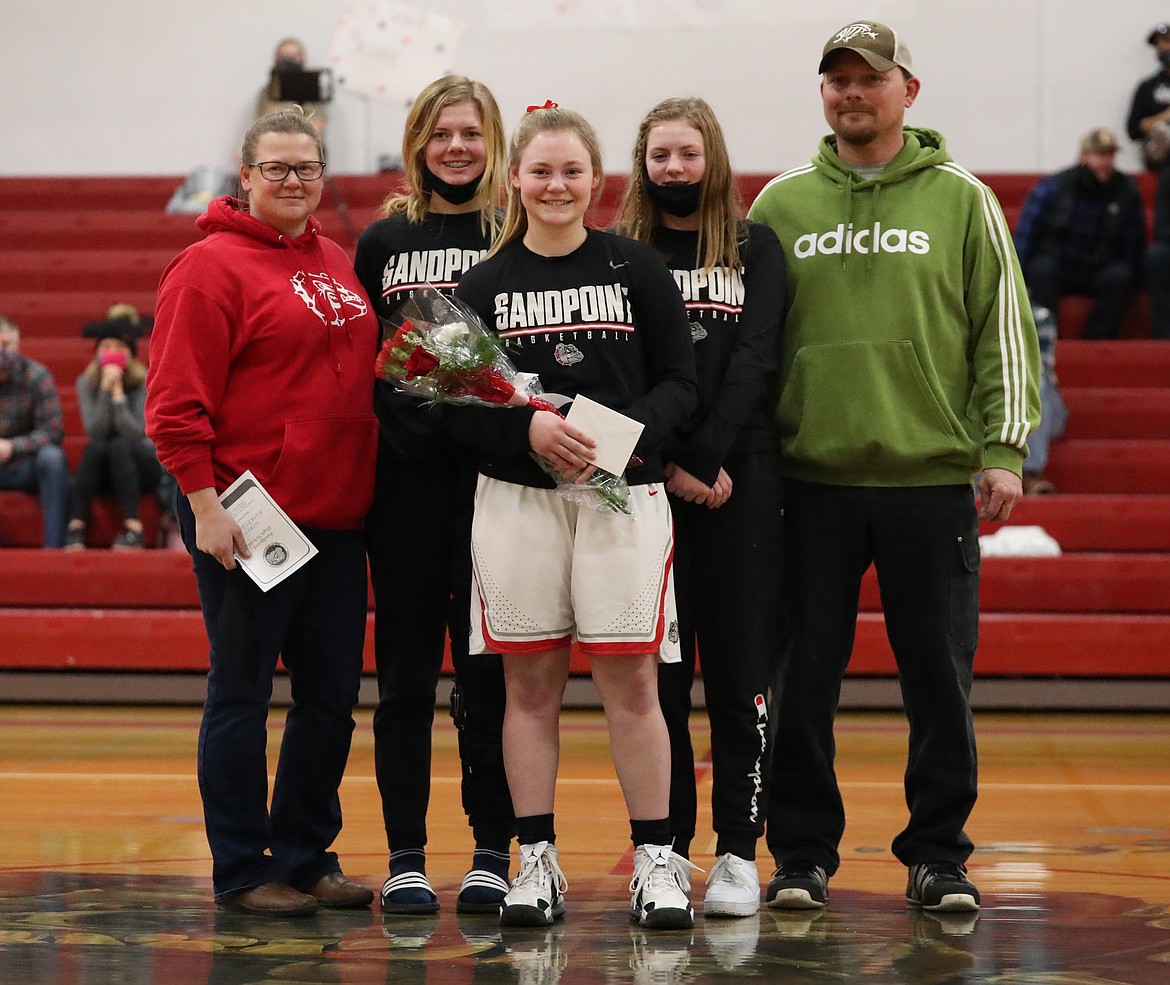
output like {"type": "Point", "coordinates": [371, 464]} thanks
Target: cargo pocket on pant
{"type": "Point", "coordinates": [964, 591]}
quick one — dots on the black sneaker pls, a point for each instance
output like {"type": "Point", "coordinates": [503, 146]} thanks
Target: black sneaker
{"type": "Point", "coordinates": [942, 887]}
{"type": "Point", "coordinates": [797, 884]}
{"type": "Point", "coordinates": [128, 540]}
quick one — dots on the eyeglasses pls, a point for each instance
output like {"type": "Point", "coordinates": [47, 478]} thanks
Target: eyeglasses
{"type": "Point", "coordinates": [278, 170]}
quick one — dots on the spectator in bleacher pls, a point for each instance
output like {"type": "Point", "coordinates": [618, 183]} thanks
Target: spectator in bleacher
{"type": "Point", "coordinates": [1158, 260]}
{"type": "Point", "coordinates": [31, 432]}
{"type": "Point", "coordinates": [1082, 231]}
{"type": "Point", "coordinates": [262, 361]}
{"type": "Point", "coordinates": [119, 457]}
{"type": "Point", "coordinates": [1149, 110]}
{"type": "Point", "coordinates": [1053, 412]}
{"type": "Point", "coordinates": [289, 60]}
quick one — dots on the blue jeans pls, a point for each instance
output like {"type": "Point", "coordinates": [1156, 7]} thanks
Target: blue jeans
{"type": "Point", "coordinates": [46, 473]}
{"type": "Point", "coordinates": [1053, 418]}
{"type": "Point", "coordinates": [315, 622]}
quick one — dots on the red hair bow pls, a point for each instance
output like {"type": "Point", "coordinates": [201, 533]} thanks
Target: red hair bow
{"type": "Point", "coordinates": [548, 104]}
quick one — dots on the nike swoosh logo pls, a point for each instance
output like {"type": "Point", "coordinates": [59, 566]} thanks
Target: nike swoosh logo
{"type": "Point", "coordinates": [618, 266]}
{"type": "Point", "coordinates": [653, 492]}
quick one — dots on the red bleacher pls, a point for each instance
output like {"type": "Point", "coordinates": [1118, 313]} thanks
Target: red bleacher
{"type": "Point", "coordinates": [70, 247]}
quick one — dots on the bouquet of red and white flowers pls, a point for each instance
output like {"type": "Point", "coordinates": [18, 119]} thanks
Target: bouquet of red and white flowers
{"type": "Point", "coordinates": [436, 348]}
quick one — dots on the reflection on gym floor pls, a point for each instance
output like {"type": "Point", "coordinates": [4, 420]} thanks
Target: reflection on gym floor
{"type": "Point", "coordinates": [104, 873]}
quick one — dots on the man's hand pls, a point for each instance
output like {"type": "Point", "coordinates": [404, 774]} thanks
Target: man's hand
{"type": "Point", "coordinates": [5, 451]}
{"type": "Point", "coordinates": [999, 491]}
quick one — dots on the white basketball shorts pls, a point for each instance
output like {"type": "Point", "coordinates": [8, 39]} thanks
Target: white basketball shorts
{"type": "Point", "coordinates": [547, 571]}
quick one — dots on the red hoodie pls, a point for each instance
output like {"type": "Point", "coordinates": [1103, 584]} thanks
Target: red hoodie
{"type": "Point", "coordinates": [262, 358]}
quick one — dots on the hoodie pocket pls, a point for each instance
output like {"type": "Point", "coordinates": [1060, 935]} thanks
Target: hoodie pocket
{"type": "Point", "coordinates": [325, 474]}
{"type": "Point", "coordinates": [866, 406]}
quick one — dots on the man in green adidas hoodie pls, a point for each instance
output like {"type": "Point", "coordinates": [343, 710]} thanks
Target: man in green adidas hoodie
{"type": "Point", "coordinates": [910, 364]}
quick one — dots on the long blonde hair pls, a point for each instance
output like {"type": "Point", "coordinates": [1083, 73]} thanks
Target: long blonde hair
{"type": "Point", "coordinates": [537, 121]}
{"type": "Point", "coordinates": [720, 207]}
{"type": "Point", "coordinates": [414, 202]}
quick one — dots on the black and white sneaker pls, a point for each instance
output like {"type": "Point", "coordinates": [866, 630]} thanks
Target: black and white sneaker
{"type": "Point", "coordinates": [536, 897]}
{"type": "Point", "coordinates": [797, 884]}
{"type": "Point", "coordinates": [660, 889]}
{"type": "Point", "coordinates": [942, 887]}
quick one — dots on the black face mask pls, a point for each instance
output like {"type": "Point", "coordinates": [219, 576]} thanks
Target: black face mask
{"type": "Point", "coordinates": [455, 194]}
{"type": "Point", "coordinates": [677, 200]}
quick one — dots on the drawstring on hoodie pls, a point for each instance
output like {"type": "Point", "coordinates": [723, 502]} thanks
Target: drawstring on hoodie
{"type": "Point", "coordinates": [330, 340]}
{"type": "Point", "coordinates": [305, 255]}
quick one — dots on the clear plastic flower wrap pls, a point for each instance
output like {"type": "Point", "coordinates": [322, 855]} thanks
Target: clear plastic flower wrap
{"type": "Point", "coordinates": [437, 349]}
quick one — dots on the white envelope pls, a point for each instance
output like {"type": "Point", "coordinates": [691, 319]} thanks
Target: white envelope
{"type": "Point", "coordinates": [615, 434]}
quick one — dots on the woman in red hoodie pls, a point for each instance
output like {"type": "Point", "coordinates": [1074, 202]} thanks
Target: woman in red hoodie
{"type": "Point", "coordinates": [261, 361]}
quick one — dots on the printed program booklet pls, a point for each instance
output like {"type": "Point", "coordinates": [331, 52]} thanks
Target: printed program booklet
{"type": "Point", "coordinates": [278, 547]}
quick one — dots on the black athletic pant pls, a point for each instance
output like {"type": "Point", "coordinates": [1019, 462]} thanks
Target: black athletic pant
{"type": "Point", "coordinates": [1110, 285]}
{"type": "Point", "coordinates": [727, 569]}
{"type": "Point", "coordinates": [924, 544]}
{"type": "Point", "coordinates": [127, 466]}
{"type": "Point", "coordinates": [418, 540]}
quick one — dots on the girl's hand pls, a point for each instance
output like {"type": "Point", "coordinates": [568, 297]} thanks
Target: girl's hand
{"type": "Point", "coordinates": [721, 491]}
{"type": "Point", "coordinates": [685, 486]}
{"type": "Point", "coordinates": [569, 449]}
{"type": "Point", "coordinates": [111, 378]}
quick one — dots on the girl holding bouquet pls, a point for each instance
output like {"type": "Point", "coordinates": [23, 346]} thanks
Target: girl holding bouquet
{"type": "Point", "coordinates": [593, 314]}
{"type": "Point", "coordinates": [419, 528]}
{"type": "Point", "coordinates": [723, 477]}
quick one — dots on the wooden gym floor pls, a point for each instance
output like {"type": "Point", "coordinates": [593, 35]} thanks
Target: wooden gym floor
{"type": "Point", "coordinates": [104, 868]}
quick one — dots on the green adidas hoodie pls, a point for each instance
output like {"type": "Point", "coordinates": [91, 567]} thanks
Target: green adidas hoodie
{"type": "Point", "coordinates": [909, 356]}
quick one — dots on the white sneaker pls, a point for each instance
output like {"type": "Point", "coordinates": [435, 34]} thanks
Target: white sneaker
{"type": "Point", "coordinates": [536, 898]}
{"type": "Point", "coordinates": [660, 889]}
{"type": "Point", "coordinates": [733, 888]}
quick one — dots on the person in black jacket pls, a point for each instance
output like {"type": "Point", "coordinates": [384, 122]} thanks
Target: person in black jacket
{"type": "Point", "coordinates": [1083, 231]}
{"type": "Point", "coordinates": [1158, 260]}
{"type": "Point", "coordinates": [1149, 110]}
{"type": "Point", "coordinates": [419, 529]}
{"type": "Point", "coordinates": [723, 476]}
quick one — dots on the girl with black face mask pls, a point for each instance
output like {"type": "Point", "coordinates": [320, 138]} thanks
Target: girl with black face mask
{"type": "Point", "coordinates": [723, 479]}
{"type": "Point", "coordinates": [419, 528]}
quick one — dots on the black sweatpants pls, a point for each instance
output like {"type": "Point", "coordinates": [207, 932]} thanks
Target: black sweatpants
{"type": "Point", "coordinates": [419, 545]}
{"type": "Point", "coordinates": [727, 570]}
{"type": "Point", "coordinates": [126, 466]}
{"type": "Point", "coordinates": [924, 544]}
